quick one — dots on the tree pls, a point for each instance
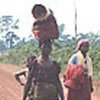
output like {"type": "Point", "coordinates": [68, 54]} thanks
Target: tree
{"type": "Point", "coordinates": [10, 37]}
{"type": "Point", "coordinates": [61, 29]}
{"type": "Point", "coordinates": [8, 25]}
{"type": "Point", "coordinates": [2, 46]}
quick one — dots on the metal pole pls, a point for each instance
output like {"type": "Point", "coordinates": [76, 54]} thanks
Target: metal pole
{"type": "Point", "coordinates": [75, 18]}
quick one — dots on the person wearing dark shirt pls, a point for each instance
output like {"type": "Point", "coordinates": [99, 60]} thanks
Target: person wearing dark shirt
{"type": "Point", "coordinates": [45, 76]}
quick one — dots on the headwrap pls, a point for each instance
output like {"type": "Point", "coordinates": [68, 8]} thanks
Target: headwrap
{"type": "Point", "coordinates": [81, 42]}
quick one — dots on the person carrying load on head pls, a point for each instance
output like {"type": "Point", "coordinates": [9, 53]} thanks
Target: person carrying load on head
{"type": "Point", "coordinates": [43, 77]}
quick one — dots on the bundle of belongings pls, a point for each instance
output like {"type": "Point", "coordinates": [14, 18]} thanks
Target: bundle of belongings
{"type": "Point", "coordinates": [44, 26]}
{"type": "Point", "coordinates": [74, 76]}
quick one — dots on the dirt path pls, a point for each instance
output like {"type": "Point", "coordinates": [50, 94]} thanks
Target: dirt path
{"type": "Point", "coordinates": [11, 90]}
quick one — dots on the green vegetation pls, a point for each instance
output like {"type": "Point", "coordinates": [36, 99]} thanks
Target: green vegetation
{"type": "Point", "coordinates": [62, 51]}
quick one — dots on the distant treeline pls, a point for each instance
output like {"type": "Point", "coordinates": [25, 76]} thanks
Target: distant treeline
{"type": "Point", "coordinates": [63, 48]}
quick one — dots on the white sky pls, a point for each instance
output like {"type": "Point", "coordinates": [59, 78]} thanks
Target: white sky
{"type": "Point", "coordinates": [88, 14]}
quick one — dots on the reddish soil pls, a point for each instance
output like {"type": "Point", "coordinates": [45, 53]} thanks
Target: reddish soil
{"type": "Point", "coordinates": [10, 89]}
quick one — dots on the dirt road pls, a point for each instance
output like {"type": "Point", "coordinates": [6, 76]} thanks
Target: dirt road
{"type": "Point", "coordinates": [11, 90]}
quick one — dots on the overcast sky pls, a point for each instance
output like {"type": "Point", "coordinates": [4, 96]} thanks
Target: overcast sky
{"type": "Point", "coordinates": [88, 13]}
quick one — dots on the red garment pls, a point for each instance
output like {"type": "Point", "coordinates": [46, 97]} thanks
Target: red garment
{"type": "Point", "coordinates": [73, 76]}
{"type": "Point", "coordinates": [82, 94]}
{"type": "Point", "coordinates": [46, 29]}
{"type": "Point", "coordinates": [77, 83]}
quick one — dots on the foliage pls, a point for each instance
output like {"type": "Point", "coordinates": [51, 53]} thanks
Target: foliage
{"type": "Point", "coordinates": [8, 23]}
{"type": "Point", "coordinates": [8, 26]}
{"type": "Point", "coordinates": [62, 51]}
{"type": "Point", "coordinates": [2, 46]}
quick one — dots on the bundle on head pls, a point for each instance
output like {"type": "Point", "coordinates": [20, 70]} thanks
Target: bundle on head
{"type": "Point", "coordinates": [39, 11]}
{"type": "Point", "coordinates": [44, 26]}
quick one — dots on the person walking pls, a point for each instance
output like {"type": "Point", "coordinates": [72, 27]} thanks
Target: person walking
{"type": "Point", "coordinates": [78, 74]}
{"type": "Point", "coordinates": [45, 76]}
